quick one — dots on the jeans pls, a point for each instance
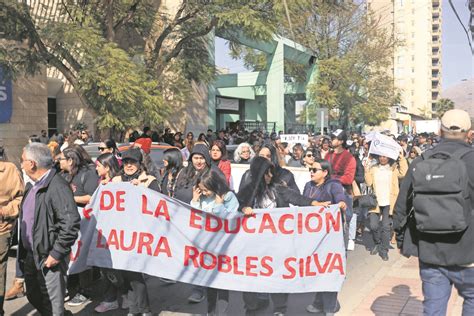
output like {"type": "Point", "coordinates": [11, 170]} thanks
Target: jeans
{"type": "Point", "coordinates": [137, 293]}
{"type": "Point", "coordinates": [437, 283]}
{"type": "Point", "coordinates": [381, 228]}
{"type": "Point", "coordinates": [353, 227]}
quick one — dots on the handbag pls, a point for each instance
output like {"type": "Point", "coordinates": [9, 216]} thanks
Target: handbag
{"type": "Point", "coordinates": [368, 200]}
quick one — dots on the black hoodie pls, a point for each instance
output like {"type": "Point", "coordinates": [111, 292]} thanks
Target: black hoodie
{"type": "Point", "coordinates": [187, 177]}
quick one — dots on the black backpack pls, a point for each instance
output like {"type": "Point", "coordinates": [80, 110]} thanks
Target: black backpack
{"type": "Point", "coordinates": [441, 192]}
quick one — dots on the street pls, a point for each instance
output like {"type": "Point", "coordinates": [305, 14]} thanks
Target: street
{"type": "Point", "coordinates": [372, 287]}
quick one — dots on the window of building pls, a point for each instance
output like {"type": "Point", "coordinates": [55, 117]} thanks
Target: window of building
{"type": "Point", "coordinates": [52, 117]}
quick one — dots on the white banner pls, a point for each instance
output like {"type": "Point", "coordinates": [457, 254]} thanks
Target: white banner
{"type": "Point", "coordinates": [287, 250]}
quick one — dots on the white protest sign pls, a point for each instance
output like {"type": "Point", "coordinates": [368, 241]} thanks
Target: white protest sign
{"type": "Point", "coordinates": [383, 145]}
{"type": "Point", "coordinates": [283, 250]}
{"type": "Point", "coordinates": [294, 138]}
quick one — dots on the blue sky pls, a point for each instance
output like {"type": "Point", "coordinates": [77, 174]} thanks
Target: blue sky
{"type": "Point", "coordinates": [457, 60]}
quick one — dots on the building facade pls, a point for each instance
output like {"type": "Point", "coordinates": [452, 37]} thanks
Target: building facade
{"type": "Point", "coordinates": [416, 66]}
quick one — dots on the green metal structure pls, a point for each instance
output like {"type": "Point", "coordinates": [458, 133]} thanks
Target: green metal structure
{"type": "Point", "coordinates": [263, 95]}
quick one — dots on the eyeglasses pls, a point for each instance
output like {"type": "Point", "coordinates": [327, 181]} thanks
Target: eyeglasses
{"type": "Point", "coordinates": [314, 170]}
{"type": "Point", "coordinates": [102, 148]}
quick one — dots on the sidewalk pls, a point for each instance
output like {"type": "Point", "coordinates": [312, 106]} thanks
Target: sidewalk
{"type": "Point", "coordinates": [394, 290]}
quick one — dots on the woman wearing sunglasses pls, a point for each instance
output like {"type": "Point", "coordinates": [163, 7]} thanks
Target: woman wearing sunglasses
{"type": "Point", "coordinates": [308, 158]}
{"type": "Point", "coordinates": [323, 188]}
{"type": "Point", "coordinates": [109, 146]}
{"type": "Point", "coordinates": [267, 191]}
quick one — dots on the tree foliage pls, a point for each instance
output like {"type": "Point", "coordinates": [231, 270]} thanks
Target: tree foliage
{"type": "Point", "coordinates": [353, 53]}
{"type": "Point", "coordinates": [129, 60]}
{"type": "Point", "coordinates": [442, 106]}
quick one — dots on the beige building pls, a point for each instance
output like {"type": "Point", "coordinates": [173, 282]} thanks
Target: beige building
{"type": "Point", "coordinates": [416, 64]}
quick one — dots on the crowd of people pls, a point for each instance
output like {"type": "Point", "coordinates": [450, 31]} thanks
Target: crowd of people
{"type": "Point", "coordinates": [371, 190]}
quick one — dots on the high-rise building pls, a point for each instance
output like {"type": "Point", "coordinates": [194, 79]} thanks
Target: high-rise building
{"type": "Point", "coordinates": [416, 66]}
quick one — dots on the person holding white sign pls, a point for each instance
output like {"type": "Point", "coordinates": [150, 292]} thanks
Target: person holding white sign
{"type": "Point", "coordinates": [383, 177]}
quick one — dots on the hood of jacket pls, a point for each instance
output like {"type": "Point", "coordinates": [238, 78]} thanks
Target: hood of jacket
{"type": "Point", "coordinates": [202, 150]}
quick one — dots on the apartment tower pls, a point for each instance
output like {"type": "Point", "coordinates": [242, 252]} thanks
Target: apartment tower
{"type": "Point", "coordinates": [416, 66]}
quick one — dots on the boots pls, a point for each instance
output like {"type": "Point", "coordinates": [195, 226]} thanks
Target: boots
{"type": "Point", "coordinates": [17, 290]}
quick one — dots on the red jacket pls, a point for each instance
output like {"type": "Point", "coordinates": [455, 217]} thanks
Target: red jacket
{"type": "Point", "coordinates": [224, 166]}
{"type": "Point", "coordinates": [343, 166]}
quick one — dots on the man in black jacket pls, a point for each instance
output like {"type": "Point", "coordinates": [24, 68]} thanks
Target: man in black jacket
{"type": "Point", "coordinates": [445, 259]}
{"type": "Point", "coordinates": [49, 225]}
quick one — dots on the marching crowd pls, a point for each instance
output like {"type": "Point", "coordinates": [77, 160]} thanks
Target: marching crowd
{"type": "Point", "coordinates": [58, 175]}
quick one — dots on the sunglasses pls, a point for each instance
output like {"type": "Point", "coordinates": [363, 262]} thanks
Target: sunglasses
{"type": "Point", "coordinates": [102, 148]}
{"type": "Point", "coordinates": [314, 170]}
{"type": "Point", "coordinates": [309, 155]}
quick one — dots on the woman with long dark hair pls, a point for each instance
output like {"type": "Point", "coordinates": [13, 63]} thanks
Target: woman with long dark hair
{"type": "Point", "coordinates": [80, 172]}
{"type": "Point", "coordinates": [219, 158]}
{"type": "Point", "coordinates": [283, 175]}
{"type": "Point", "coordinates": [107, 167]}
{"type": "Point", "coordinates": [323, 188]}
{"type": "Point", "coordinates": [266, 191]}
{"type": "Point", "coordinates": [212, 194]}
{"type": "Point", "coordinates": [173, 162]}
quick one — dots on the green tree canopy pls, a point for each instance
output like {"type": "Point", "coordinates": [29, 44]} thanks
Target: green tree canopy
{"type": "Point", "coordinates": [129, 60]}
{"type": "Point", "coordinates": [442, 106]}
{"type": "Point", "coordinates": [354, 53]}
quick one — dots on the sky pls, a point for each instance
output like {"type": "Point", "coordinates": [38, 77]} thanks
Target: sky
{"type": "Point", "coordinates": [457, 60]}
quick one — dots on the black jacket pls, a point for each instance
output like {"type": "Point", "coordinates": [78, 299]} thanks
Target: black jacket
{"type": "Point", "coordinates": [56, 222]}
{"type": "Point", "coordinates": [284, 196]}
{"type": "Point", "coordinates": [437, 249]}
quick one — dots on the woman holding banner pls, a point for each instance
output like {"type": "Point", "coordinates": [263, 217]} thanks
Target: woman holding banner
{"type": "Point", "coordinates": [134, 171]}
{"type": "Point", "coordinates": [323, 188]}
{"type": "Point", "coordinates": [266, 191]}
{"type": "Point", "coordinates": [212, 194]}
{"type": "Point", "coordinates": [199, 162]}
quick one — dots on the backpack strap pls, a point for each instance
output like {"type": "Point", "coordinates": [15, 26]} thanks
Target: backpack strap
{"type": "Point", "coordinates": [461, 152]}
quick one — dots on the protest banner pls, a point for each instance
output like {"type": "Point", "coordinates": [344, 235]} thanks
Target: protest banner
{"type": "Point", "coordinates": [286, 250]}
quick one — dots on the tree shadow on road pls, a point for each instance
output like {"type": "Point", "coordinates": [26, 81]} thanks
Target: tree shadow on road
{"type": "Point", "coordinates": [398, 302]}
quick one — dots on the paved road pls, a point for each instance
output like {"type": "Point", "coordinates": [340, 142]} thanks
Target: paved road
{"type": "Point", "coordinates": [363, 273]}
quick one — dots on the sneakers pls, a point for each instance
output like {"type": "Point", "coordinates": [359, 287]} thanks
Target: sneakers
{"type": "Point", "coordinates": [384, 256]}
{"type": "Point", "coordinates": [375, 250]}
{"type": "Point", "coordinates": [196, 297]}
{"type": "Point", "coordinates": [77, 300]}
{"type": "Point", "coordinates": [351, 245]}
{"type": "Point", "coordinates": [278, 314]}
{"type": "Point", "coordinates": [313, 309]}
{"type": "Point", "coordinates": [17, 290]}
{"type": "Point", "coordinates": [168, 281]}
{"type": "Point", "coordinates": [106, 306]}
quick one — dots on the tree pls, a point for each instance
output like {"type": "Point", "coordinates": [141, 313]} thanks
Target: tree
{"type": "Point", "coordinates": [353, 52]}
{"type": "Point", "coordinates": [442, 106]}
{"type": "Point", "coordinates": [129, 60]}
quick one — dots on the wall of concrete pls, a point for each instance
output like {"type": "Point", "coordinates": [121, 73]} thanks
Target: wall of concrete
{"type": "Point", "coordinates": [256, 110]}
{"type": "Point", "coordinates": [29, 116]}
